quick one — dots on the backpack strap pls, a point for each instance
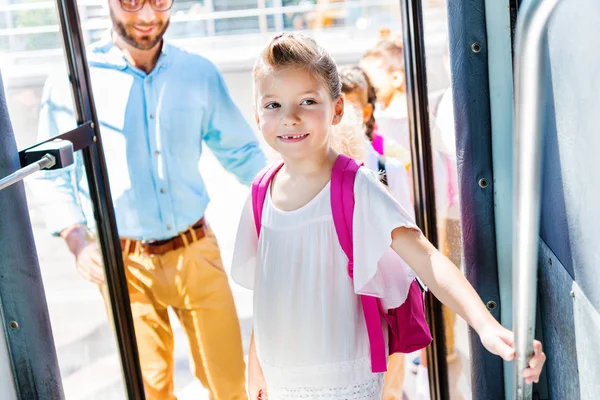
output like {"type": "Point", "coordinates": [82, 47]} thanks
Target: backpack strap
{"type": "Point", "coordinates": [343, 176]}
{"type": "Point", "coordinates": [382, 170]}
{"type": "Point", "coordinates": [377, 141]}
{"type": "Point", "coordinates": [259, 192]}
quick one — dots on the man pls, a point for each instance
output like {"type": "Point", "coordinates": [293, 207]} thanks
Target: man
{"type": "Point", "coordinates": [156, 104]}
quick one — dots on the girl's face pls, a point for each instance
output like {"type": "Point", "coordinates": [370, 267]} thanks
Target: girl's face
{"type": "Point", "coordinates": [386, 83]}
{"type": "Point", "coordinates": [294, 112]}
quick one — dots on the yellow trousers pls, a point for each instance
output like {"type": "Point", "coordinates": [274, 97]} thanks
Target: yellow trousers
{"type": "Point", "coordinates": [191, 281]}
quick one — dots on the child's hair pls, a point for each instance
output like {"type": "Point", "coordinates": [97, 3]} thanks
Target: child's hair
{"type": "Point", "coordinates": [348, 136]}
{"type": "Point", "coordinates": [295, 50]}
{"type": "Point", "coordinates": [390, 52]}
{"type": "Point", "coordinates": [355, 80]}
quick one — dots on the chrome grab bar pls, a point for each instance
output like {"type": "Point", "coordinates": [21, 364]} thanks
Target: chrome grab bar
{"type": "Point", "coordinates": [47, 161]}
{"type": "Point", "coordinates": [531, 35]}
{"type": "Point", "coordinates": [54, 154]}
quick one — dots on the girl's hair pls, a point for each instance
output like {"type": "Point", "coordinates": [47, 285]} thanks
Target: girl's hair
{"type": "Point", "coordinates": [348, 136]}
{"type": "Point", "coordinates": [355, 80]}
{"type": "Point", "coordinates": [389, 51]}
{"type": "Point", "coordinates": [295, 50]}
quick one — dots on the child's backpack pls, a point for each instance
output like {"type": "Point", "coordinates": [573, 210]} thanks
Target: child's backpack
{"type": "Point", "coordinates": [377, 141]}
{"type": "Point", "coordinates": [408, 329]}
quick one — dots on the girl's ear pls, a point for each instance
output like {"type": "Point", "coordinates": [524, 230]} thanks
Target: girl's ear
{"type": "Point", "coordinates": [367, 112]}
{"type": "Point", "coordinates": [256, 118]}
{"type": "Point", "coordinates": [339, 110]}
{"type": "Point", "coordinates": [398, 80]}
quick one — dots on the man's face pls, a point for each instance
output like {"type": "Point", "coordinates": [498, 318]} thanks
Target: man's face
{"type": "Point", "coordinates": [141, 29]}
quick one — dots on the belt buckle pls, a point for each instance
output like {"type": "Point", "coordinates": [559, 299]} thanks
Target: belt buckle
{"type": "Point", "coordinates": [144, 244]}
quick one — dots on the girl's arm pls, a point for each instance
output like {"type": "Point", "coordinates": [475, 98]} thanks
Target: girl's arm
{"type": "Point", "coordinates": [257, 387]}
{"type": "Point", "coordinates": [449, 285]}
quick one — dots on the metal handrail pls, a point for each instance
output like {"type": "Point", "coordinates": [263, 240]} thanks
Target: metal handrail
{"type": "Point", "coordinates": [47, 161]}
{"type": "Point", "coordinates": [208, 16]}
{"type": "Point", "coordinates": [531, 35]}
{"type": "Point", "coordinates": [40, 5]}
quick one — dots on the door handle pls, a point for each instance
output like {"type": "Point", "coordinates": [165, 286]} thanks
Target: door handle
{"type": "Point", "coordinates": [51, 155]}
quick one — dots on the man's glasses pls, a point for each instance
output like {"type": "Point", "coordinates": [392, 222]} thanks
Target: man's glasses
{"type": "Point", "coordinates": [137, 5]}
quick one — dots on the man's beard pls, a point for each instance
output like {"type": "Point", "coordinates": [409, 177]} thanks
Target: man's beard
{"type": "Point", "coordinates": [143, 42]}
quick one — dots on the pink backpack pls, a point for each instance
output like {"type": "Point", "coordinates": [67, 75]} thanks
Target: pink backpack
{"type": "Point", "coordinates": [408, 328]}
{"type": "Point", "coordinates": [377, 142]}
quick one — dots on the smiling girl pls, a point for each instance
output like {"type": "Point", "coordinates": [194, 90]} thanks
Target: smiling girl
{"type": "Point", "coordinates": [310, 339]}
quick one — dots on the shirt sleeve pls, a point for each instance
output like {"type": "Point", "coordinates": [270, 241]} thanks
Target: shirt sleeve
{"type": "Point", "coordinates": [397, 178]}
{"type": "Point", "coordinates": [230, 137]}
{"type": "Point", "coordinates": [57, 189]}
{"type": "Point", "coordinates": [243, 264]}
{"type": "Point", "coordinates": [378, 270]}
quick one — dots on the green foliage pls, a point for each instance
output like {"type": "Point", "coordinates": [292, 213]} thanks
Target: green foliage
{"type": "Point", "coordinates": [35, 18]}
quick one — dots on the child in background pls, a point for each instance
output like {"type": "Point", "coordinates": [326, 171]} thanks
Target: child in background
{"type": "Point", "coordinates": [309, 338]}
{"type": "Point", "coordinates": [359, 95]}
{"type": "Point", "coordinates": [357, 89]}
{"type": "Point", "coordinates": [384, 65]}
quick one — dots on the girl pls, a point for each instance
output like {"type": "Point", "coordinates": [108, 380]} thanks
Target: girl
{"type": "Point", "coordinates": [358, 90]}
{"type": "Point", "coordinates": [360, 94]}
{"type": "Point", "coordinates": [309, 338]}
{"type": "Point", "coordinates": [384, 65]}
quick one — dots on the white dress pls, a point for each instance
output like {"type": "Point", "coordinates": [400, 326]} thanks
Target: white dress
{"type": "Point", "coordinates": [309, 329]}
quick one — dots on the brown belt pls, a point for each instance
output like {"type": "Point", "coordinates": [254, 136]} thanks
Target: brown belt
{"type": "Point", "coordinates": [160, 247]}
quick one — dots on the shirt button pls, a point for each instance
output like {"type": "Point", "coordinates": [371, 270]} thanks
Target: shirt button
{"type": "Point", "coordinates": [156, 153]}
{"type": "Point", "coordinates": [152, 116]}
{"type": "Point", "coordinates": [169, 227]}
{"type": "Point", "coordinates": [162, 190]}
{"type": "Point", "coordinates": [148, 80]}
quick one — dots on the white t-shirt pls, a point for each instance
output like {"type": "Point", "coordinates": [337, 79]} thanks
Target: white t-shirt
{"type": "Point", "coordinates": [309, 328]}
{"type": "Point", "coordinates": [392, 126]}
{"type": "Point", "coordinates": [397, 177]}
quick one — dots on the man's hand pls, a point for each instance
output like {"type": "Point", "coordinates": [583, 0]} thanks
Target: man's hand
{"type": "Point", "coordinates": [89, 264]}
{"type": "Point", "coordinates": [86, 252]}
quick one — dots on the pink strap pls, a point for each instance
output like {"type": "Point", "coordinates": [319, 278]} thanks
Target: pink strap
{"type": "Point", "coordinates": [259, 192]}
{"type": "Point", "coordinates": [342, 206]}
{"type": "Point", "coordinates": [378, 142]}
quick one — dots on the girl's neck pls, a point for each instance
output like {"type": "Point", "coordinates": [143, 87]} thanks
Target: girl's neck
{"type": "Point", "coordinates": [399, 101]}
{"type": "Point", "coordinates": [311, 166]}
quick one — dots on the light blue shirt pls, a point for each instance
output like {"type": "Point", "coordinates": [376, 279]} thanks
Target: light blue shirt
{"type": "Point", "coordinates": [152, 127]}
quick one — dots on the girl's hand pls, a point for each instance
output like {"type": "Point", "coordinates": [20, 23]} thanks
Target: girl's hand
{"type": "Point", "coordinates": [257, 386]}
{"type": "Point", "coordinates": [500, 341]}
{"type": "Point", "coordinates": [450, 286]}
